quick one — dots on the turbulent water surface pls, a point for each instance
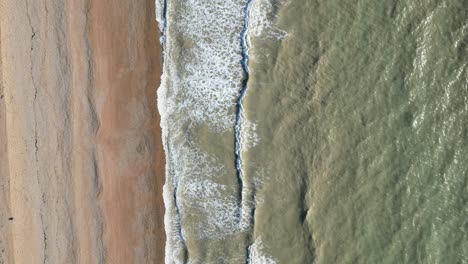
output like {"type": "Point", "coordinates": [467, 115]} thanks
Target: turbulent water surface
{"type": "Point", "coordinates": [303, 131]}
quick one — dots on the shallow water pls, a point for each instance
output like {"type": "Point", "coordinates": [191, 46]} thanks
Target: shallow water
{"type": "Point", "coordinates": [351, 139]}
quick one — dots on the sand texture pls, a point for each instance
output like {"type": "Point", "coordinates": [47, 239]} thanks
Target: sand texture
{"type": "Point", "coordinates": [81, 160]}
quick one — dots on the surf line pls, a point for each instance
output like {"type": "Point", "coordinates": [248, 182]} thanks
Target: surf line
{"type": "Point", "coordinates": [179, 217]}
{"type": "Point", "coordinates": [174, 182]}
{"type": "Point", "coordinates": [239, 103]}
{"type": "Point", "coordinates": [238, 121]}
{"type": "Point", "coordinates": [164, 30]}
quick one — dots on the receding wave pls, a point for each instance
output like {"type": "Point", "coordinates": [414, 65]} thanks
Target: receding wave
{"type": "Point", "coordinates": [204, 80]}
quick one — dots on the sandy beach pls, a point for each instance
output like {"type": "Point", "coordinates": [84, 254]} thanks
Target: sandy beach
{"type": "Point", "coordinates": [81, 158]}
{"type": "Point", "coordinates": [5, 213]}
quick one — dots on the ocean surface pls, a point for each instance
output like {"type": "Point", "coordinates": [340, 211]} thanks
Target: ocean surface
{"type": "Point", "coordinates": [304, 131]}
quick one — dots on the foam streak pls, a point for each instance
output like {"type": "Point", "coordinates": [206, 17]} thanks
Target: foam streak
{"type": "Point", "coordinates": [163, 28]}
{"type": "Point", "coordinates": [239, 105]}
{"type": "Point", "coordinates": [240, 112]}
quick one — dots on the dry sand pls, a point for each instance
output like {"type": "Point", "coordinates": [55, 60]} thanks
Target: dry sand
{"type": "Point", "coordinates": [81, 159]}
{"type": "Point", "coordinates": [5, 213]}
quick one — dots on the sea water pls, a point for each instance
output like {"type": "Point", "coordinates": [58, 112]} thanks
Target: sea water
{"type": "Point", "coordinates": [302, 131]}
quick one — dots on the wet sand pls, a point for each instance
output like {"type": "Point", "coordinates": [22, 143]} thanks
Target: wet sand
{"type": "Point", "coordinates": [123, 40]}
{"type": "Point", "coordinates": [82, 163]}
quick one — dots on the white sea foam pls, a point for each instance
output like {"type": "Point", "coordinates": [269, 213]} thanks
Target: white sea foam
{"type": "Point", "coordinates": [204, 195]}
{"type": "Point", "coordinates": [202, 77]}
{"type": "Point", "coordinates": [258, 253]}
{"type": "Point", "coordinates": [249, 136]}
{"type": "Point", "coordinates": [201, 81]}
{"type": "Point", "coordinates": [262, 25]}
{"type": "Point", "coordinates": [260, 20]}
{"type": "Point", "coordinates": [208, 56]}
{"type": "Point", "coordinates": [160, 13]}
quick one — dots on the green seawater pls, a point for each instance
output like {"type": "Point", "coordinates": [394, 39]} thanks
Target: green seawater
{"type": "Point", "coordinates": [361, 116]}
